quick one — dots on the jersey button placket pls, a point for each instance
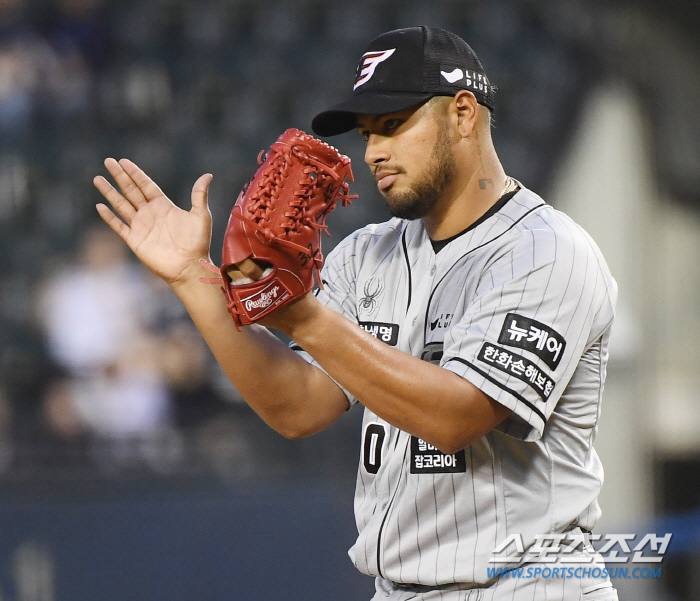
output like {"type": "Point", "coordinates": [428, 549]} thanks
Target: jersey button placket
{"type": "Point", "coordinates": [433, 269]}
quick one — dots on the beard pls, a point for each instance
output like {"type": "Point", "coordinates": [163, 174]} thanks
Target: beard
{"type": "Point", "coordinates": [425, 193]}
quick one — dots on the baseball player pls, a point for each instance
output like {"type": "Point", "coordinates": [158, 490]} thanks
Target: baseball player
{"type": "Point", "coordinates": [473, 327]}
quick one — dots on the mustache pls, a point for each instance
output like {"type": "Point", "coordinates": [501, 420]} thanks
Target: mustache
{"type": "Point", "coordinates": [382, 170]}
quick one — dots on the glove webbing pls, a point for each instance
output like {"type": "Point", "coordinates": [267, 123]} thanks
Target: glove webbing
{"type": "Point", "coordinates": [267, 193]}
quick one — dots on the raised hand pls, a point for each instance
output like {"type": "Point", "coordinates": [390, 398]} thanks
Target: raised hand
{"type": "Point", "coordinates": [167, 240]}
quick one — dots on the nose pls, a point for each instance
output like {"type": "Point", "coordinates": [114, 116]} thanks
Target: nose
{"type": "Point", "coordinates": [377, 150]}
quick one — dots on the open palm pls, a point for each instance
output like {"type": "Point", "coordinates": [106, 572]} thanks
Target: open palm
{"type": "Point", "coordinates": [168, 240]}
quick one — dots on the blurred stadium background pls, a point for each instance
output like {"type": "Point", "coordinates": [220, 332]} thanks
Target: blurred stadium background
{"type": "Point", "coordinates": [129, 467]}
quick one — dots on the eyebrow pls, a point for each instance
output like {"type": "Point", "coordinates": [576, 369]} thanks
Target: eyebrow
{"type": "Point", "coordinates": [372, 118]}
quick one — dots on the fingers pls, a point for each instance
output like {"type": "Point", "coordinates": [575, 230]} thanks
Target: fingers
{"type": "Point", "coordinates": [131, 191]}
{"type": "Point", "coordinates": [113, 221]}
{"type": "Point", "coordinates": [250, 269]}
{"type": "Point", "coordinates": [146, 186]}
{"type": "Point", "coordinates": [237, 276]}
{"type": "Point", "coordinates": [120, 204]}
{"type": "Point", "coordinates": [200, 192]}
{"type": "Point", "coordinates": [245, 272]}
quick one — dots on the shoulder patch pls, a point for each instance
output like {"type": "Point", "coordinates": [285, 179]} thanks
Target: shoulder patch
{"type": "Point", "coordinates": [518, 367]}
{"type": "Point", "coordinates": [530, 335]}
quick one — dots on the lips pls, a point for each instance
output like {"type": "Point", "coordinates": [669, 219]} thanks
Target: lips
{"type": "Point", "coordinates": [385, 179]}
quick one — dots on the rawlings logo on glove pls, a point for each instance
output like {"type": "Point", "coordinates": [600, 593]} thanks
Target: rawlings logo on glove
{"type": "Point", "coordinates": [277, 222]}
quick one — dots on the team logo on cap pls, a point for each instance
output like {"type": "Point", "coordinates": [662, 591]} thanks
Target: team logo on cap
{"type": "Point", "coordinates": [369, 63]}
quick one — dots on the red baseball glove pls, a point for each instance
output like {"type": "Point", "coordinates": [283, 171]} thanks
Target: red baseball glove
{"type": "Point", "coordinates": [277, 221]}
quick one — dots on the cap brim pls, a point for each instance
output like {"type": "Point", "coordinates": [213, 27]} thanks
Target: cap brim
{"type": "Point", "coordinates": [343, 117]}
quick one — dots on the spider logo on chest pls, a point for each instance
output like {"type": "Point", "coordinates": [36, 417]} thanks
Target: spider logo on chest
{"type": "Point", "coordinates": [372, 290]}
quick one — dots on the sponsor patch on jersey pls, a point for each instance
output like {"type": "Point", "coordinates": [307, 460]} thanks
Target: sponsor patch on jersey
{"type": "Point", "coordinates": [426, 459]}
{"type": "Point", "coordinates": [525, 333]}
{"type": "Point", "coordinates": [386, 332]}
{"type": "Point", "coordinates": [519, 367]}
{"type": "Point", "coordinates": [432, 352]}
{"type": "Point", "coordinates": [444, 320]}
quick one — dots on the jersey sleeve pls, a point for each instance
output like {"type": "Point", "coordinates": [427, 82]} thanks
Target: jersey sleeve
{"type": "Point", "coordinates": [338, 293]}
{"type": "Point", "coordinates": [538, 306]}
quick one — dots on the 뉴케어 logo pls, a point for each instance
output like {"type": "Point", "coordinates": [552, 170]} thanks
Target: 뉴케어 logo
{"type": "Point", "coordinates": [533, 336]}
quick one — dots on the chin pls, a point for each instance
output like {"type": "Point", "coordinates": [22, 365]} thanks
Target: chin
{"type": "Point", "coordinates": [410, 204]}
{"type": "Point", "coordinates": [408, 211]}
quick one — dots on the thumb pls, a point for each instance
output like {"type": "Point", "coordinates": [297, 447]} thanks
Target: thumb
{"type": "Point", "coordinates": [200, 191]}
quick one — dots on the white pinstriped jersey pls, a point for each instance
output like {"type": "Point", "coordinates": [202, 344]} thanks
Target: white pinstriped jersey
{"type": "Point", "coordinates": [521, 305]}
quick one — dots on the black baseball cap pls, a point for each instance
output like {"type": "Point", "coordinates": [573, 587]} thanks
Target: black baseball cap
{"type": "Point", "coordinates": [403, 68]}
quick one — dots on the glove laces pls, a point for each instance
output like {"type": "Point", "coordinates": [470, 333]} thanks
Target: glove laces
{"type": "Point", "coordinates": [315, 176]}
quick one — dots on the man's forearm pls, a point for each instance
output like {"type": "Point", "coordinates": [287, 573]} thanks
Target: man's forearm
{"type": "Point", "coordinates": [292, 396]}
{"type": "Point", "coordinates": [414, 395]}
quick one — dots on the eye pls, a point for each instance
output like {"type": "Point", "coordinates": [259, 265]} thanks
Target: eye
{"type": "Point", "coordinates": [392, 124]}
{"type": "Point", "coordinates": [364, 133]}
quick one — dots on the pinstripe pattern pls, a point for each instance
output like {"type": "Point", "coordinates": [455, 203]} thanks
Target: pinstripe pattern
{"type": "Point", "coordinates": [586, 588]}
{"type": "Point", "coordinates": [537, 473]}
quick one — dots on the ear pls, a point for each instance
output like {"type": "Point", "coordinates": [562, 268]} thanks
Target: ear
{"type": "Point", "coordinates": [467, 109]}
